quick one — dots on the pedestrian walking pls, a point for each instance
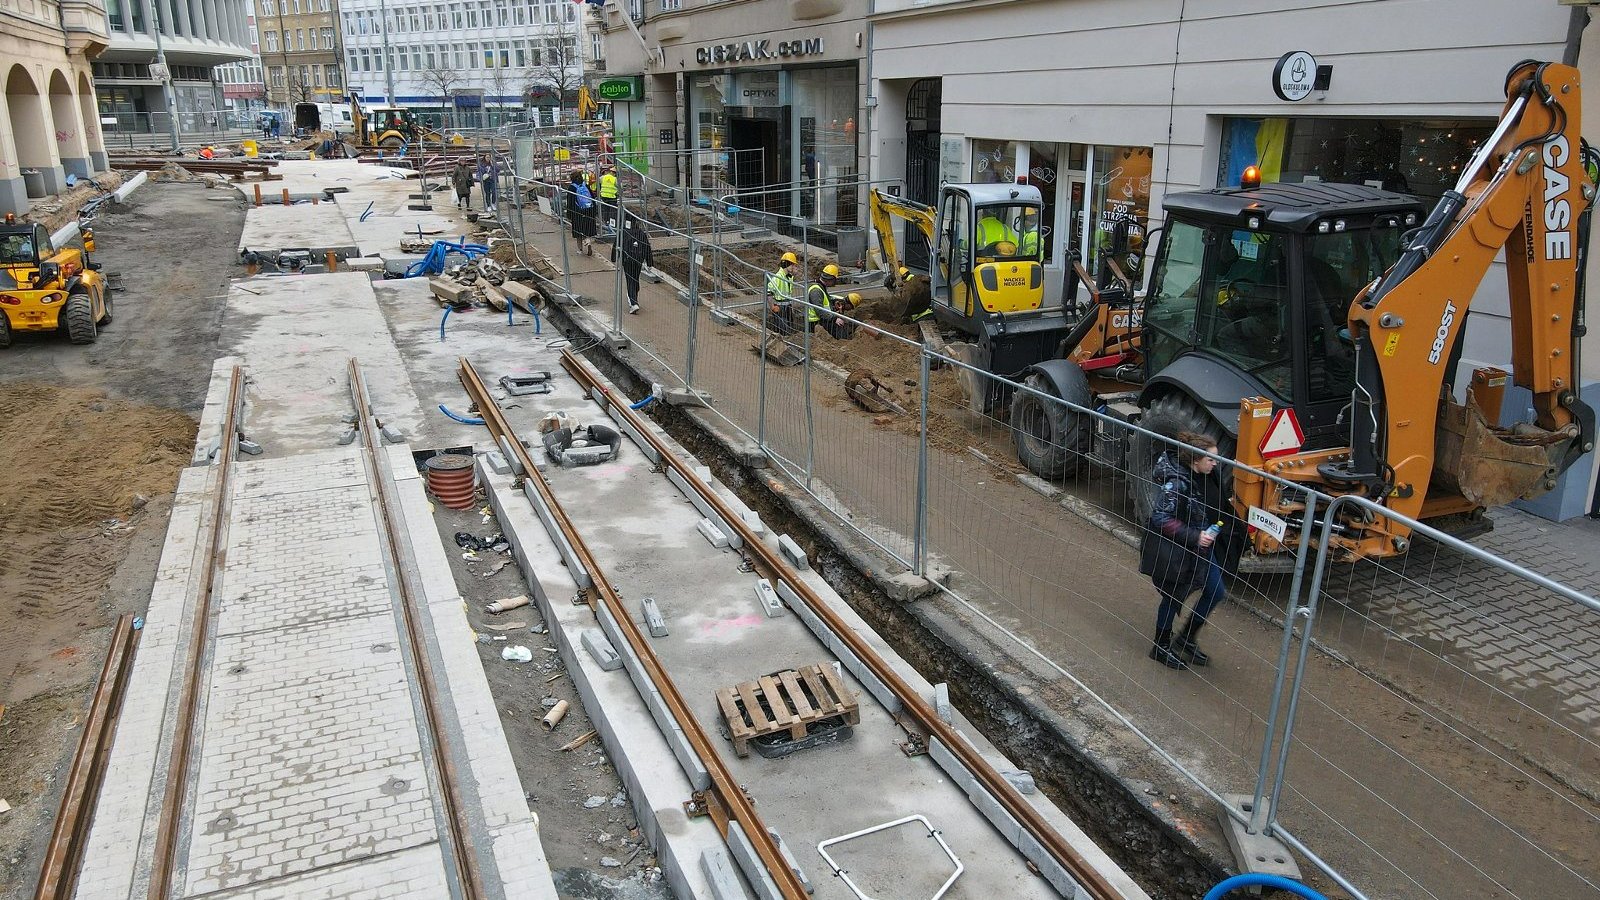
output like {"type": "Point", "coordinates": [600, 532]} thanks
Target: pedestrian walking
{"type": "Point", "coordinates": [277, 128]}
{"type": "Point", "coordinates": [636, 254]}
{"type": "Point", "coordinates": [608, 198]}
{"type": "Point", "coordinates": [580, 210]}
{"type": "Point", "coordinates": [1189, 543]}
{"type": "Point", "coordinates": [489, 177]}
{"type": "Point", "coordinates": [461, 180]}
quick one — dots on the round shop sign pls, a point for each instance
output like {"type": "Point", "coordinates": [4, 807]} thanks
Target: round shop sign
{"type": "Point", "coordinates": [1293, 75]}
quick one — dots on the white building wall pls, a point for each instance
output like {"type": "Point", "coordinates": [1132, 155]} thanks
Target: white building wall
{"type": "Point", "coordinates": [526, 25]}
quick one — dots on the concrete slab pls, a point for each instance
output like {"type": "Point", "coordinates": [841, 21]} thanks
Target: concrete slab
{"type": "Point", "coordinates": [320, 227]}
{"type": "Point", "coordinates": [295, 335]}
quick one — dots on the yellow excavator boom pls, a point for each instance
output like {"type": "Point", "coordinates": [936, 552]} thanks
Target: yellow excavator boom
{"type": "Point", "coordinates": [884, 209]}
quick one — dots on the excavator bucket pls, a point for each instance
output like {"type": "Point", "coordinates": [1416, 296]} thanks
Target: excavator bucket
{"type": "Point", "coordinates": [780, 351]}
{"type": "Point", "coordinates": [1491, 466]}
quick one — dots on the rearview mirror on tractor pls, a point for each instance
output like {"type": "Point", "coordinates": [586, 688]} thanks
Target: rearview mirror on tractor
{"type": "Point", "coordinates": [48, 272]}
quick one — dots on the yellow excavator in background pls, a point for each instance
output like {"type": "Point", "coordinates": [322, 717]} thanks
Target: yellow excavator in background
{"type": "Point", "coordinates": [389, 128]}
{"type": "Point", "coordinates": [987, 274]}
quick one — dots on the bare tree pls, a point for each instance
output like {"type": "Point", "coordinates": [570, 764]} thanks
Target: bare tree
{"type": "Point", "coordinates": [445, 77]}
{"type": "Point", "coordinates": [557, 66]}
{"type": "Point", "coordinates": [502, 81]}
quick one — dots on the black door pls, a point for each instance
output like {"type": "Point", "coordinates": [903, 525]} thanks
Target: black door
{"type": "Point", "coordinates": [755, 157]}
{"type": "Point", "coordinates": [922, 162]}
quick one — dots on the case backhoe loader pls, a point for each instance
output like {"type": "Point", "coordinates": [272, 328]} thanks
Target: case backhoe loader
{"type": "Point", "coordinates": [1345, 305]}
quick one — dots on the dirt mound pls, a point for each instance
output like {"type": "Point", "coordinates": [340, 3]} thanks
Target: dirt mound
{"type": "Point", "coordinates": [75, 457]}
{"type": "Point", "coordinates": [175, 173]}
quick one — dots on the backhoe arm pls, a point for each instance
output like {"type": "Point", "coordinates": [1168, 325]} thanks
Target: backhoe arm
{"type": "Point", "coordinates": [1525, 191]}
{"type": "Point", "coordinates": [884, 209]}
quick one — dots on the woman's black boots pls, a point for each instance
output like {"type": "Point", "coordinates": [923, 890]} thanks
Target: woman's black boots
{"type": "Point", "coordinates": [1162, 652]}
{"type": "Point", "coordinates": [1184, 647]}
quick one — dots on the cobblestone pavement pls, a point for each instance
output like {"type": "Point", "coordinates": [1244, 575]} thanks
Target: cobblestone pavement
{"type": "Point", "coordinates": [313, 775]}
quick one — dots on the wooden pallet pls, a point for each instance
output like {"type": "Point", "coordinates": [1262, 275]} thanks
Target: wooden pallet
{"type": "Point", "coordinates": [793, 700]}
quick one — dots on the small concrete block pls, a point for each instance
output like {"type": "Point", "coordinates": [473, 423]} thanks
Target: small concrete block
{"type": "Point", "coordinates": [448, 291]}
{"type": "Point", "coordinates": [704, 472]}
{"type": "Point", "coordinates": [684, 397]}
{"type": "Point", "coordinates": [768, 598]}
{"type": "Point", "coordinates": [1254, 853]}
{"type": "Point", "coordinates": [248, 446]}
{"type": "Point", "coordinates": [753, 522]}
{"type": "Point", "coordinates": [599, 647]}
{"type": "Point", "coordinates": [721, 318]}
{"type": "Point", "coordinates": [712, 533]}
{"type": "Point", "coordinates": [788, 857]}
{"type": "Point", "coordinates": [1022, 781]}
{"type": "Point", "coordinates": [521, 293]}
{"type": "Point", "coordinates": [583, 456]}
{"type": "Point", "coordinates": [1039, 486]}
{"type": "Point", "coordinates": [348, 437]}
{"type": "Point", "coordinates": [722, 878]}
{"type": "Point", "coordinates": [364, 264]}
{"type": "Point", "coordinates": [497, 462]}
{"type": "Point", "coordinates": [941, 703]}
{"type": "Point", "coordinates": [908, 586]}
{"type": "Point", "coordinates": [791, 551]}
{"type": "Point", "coordinates": [654, 622]}
{"type": "Point", "coordinates": [511, 459]}
{"type": "Point", "coordinates": [392, 434]}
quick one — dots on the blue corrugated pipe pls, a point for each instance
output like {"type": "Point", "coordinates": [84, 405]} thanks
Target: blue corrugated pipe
{"type": "Point", "coordinates": [465, 420]}
{"type": "Point", "coordinates": [642, 403]}
{"type": "Point", "coordinates": [433, 263]}
{"type": "Point", "coordinates": [1230, 885]}
{"type": "Point", "coordinates": [443, 319]}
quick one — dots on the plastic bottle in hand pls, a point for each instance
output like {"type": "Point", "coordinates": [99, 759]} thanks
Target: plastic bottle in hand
{"type": "Point", "coordinates": [1209, 536]}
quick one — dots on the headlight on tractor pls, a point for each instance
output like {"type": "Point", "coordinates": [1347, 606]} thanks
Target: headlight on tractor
{"type": "Point", "coordinates": [52, 297]}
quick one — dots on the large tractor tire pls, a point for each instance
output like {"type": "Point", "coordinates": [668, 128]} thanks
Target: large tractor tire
{"type": "Point", "coordinates": [79, 316]}
{"type": "Point", "coordinates": [392, 142]}
{"type": "Point", "coordinates": [1052, 439]}
{"type": "Point", "coordinates": [5, 331]}
{"type": "Point", "coordinates": [1167, 416]}
{"type": "Point", "coordinates": [105, 313]}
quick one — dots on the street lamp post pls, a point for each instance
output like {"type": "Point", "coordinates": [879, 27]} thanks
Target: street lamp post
{"type": "Point", "coordinates": [167, 94]}
{"type": "Point", "coordinates": [388, 70]}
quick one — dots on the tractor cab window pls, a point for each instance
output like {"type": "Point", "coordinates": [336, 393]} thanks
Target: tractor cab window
{"type": "Point", "coordinates": [1174, 293]}
{"type": "Point", "coordinates": [18, 247]}
{"type": "Point", "coordinates": [1245, 305]}
{"type": "Point", "coordinates": [1006, 232]}
{"type": "Point", "coordinates": [1338, 266]}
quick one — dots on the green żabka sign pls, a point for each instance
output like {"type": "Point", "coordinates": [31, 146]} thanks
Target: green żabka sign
{"type": "Point", "coordinates": [622, 89]}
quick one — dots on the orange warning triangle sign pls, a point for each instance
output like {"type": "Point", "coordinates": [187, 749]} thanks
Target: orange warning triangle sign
{"type": "Point", "coordinates": [1283, 435]}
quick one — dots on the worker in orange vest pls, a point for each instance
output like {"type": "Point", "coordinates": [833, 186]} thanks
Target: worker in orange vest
{"type": "Point", "coordinates": [207, 153]}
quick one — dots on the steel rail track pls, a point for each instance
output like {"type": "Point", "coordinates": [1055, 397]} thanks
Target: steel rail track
{"type": "Point", "coordinates": [735, 805]}
{"type": "Point", "coordinates": [463, 857]}
{"type": "Point", "coordinates": [63, 858]}
{"type": "Point", "coordinates": [925, 717]}
{"type": "Point", "coordinates": [211, 566]}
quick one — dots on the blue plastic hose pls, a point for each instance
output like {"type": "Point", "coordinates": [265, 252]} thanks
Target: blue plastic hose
{"type": "Point", "coordinates": [465, 420]}
{"type": "Point", "coordinates": [643, 403]}
{"type": "Point", "coordinates": [1230, 885]}
{"type": "Point", "coordinates": [366, 212]}
{"type": "Point", "coordinates": [443, 319]}
{"type": "Point", "coordinates": [433, 262]}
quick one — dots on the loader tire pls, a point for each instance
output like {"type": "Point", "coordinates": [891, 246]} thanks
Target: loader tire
{"type": "Point", "coordinates": [1051, 438]}
{"type": "Point", "coordinates": [79, 316]}
{"type": "Point", "coordinates": [105, 318]}
{"type": "Point", "coordinates": [5, 331]}
{"type": "Point", "coordinates": [1167, 416]}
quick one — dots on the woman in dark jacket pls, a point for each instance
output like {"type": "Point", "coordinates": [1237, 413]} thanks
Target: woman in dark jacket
{"type": "Point", "coordinates": [1179, 553]}
{"type": "Point", "coordinates": [580, 210]}
{"type": "Point", "coordinates": [636, 254]}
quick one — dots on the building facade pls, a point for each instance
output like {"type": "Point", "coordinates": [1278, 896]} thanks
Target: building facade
{"type": "Point", "coordinates": [463, 64]}
{"type": "Point", "coordinates": [1109, 105]}
{"type": "Point", "coordinates": [763, 97]}
{"type": "Point", "coordinates": [196, 37]}
{"type": "Point", "coordinates": [244, 86]}
{"type": "Point", "coordinates": [300, 47]}
{"type": "Point", "coordinates": [49, 124]}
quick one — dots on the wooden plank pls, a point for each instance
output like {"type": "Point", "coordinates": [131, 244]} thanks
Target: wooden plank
{"type": "Point", "coordinates": [846, 698]}
{"type": "Point", "coordinates": [782, 716]}
{"type": "Point", "coordinates": [797, 696]}
{"type": "Point", "coordinates": [738, 730]}
{"type": "Point", "coordinates": [813, 679]}
{"type": "Point", "coordinates": [752, 708]}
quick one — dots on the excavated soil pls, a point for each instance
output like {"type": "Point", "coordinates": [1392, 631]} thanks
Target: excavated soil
{"type": "Point", "coordinates": [80, 466]}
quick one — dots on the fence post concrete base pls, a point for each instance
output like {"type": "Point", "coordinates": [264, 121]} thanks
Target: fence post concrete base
{"type": "Point", "coordinates": [1254, 853]}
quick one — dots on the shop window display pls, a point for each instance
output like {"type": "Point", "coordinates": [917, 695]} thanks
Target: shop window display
{"type": "Point", "coordinates": [1044, 173]}
{"type": "Point", "coordinates": [1120, 205]}
{"type": "Point", "coordinates": [1419, 158]}
{"type": "Point", "coordinates": [994, 162]}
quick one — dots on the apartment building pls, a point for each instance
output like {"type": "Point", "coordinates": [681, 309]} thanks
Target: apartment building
{"type": "Point", "coordinates": [300, 51]}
